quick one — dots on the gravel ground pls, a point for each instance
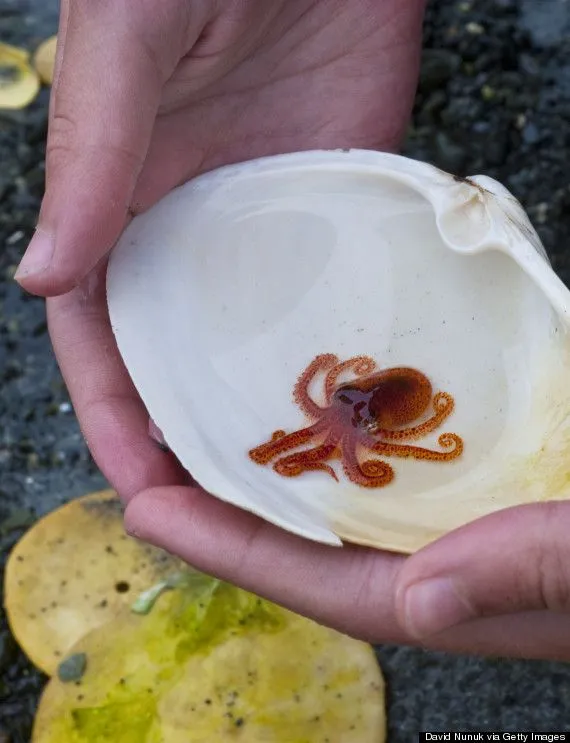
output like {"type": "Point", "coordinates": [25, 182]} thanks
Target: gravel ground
{"type": "Point", "coordinates": [494, 98]}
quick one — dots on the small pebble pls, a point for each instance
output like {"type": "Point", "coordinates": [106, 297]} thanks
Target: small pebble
{"type": "Point", "coordinates": [451, 156]}
{"type": "Point", "coordinates": [541, 212]}
{"type": "Point", "coordinates": [438, 66]}
{"type": "Point", "coordinates": [7, 652]}
{"type": "Point", "coordinates": [475, 28]}
{"type": "Point", "coordinates": [481, 127]}
{"type": "Point", "coordinates": [72, 668]}
{"type": "Point", "coordinates": [529, 65]}
{"type": "Point", "coordinates": [15, 237]}
{"type": "Point", "coordinates": [531, 133]}
{"type": "Point", "coordinates": [19, 518]}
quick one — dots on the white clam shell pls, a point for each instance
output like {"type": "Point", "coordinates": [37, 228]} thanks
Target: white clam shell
{"type": "Point", "coordinates": [223, 292]}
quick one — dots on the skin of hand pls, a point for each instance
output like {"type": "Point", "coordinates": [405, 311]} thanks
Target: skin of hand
{"type": "Point", "coordinates": [148, 94]}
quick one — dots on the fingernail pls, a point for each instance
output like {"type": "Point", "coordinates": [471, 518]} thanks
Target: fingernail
{"type": "Point", "coordinates": [37, 257]}
{"type": "Point", "coordinates": [434, 605]}
{"type": "Point", "coordinates": [131, 531]}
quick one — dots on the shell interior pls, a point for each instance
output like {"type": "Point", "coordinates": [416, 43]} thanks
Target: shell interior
{"type": "Point", "coordinates": [223, 293]}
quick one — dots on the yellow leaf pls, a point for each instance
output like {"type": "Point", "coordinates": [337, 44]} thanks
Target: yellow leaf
{"type": "Point", "coordinates": [44, 59]}
{"type": "Point", "coordinates": [71, 572]}
{"type": "Point", "coordinates": [214, 663]}
{"type": "Point", "coordinates": [19, 83]}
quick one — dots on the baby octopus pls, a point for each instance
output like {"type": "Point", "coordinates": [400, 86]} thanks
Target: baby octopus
{"type": "Point", "coordinates": [371, 413]}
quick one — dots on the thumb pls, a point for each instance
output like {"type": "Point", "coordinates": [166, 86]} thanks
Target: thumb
{"type": "Point", "coordinates": [511, 561]}
{"type": "Point", "coordinates": [102, 114]}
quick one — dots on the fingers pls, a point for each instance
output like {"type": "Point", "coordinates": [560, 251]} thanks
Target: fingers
{"type": "Point", "coordinates": [538, 635]}
{"type": "Point", "coordinates": [515, 560]}
{"type": "Point", "coordinates": [348, 588]}
{"type": "Point", "coordinates": [104, 103]}
{"type": "Point", "coordinates": [351, 589]}
{"type": "Point", "coordinates": [114, 421]}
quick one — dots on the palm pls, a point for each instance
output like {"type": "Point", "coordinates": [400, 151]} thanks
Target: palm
{"type": "Point", "coordinates": [324, 74]}
{"type": "Point", "coordinates": [309, 74]}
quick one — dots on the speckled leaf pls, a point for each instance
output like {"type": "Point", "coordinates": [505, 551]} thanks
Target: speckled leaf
{"type": "Point", "coordinates": [19, 83]}
{"type": "Point", "coordinates": [209, 663]}
{"type": "Point", "coordinates": [72, 572]}
{"type": "Point", "coordinates": [44, 59]}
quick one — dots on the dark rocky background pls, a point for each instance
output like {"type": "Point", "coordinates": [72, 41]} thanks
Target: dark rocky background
{"type": "Point", "coordinates": [494, 98]}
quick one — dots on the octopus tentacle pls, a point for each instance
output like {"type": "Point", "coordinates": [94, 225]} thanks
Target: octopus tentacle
{"type": "Point", "coordinates": [308, 460]}
{"type": "Point", "coordinates": [301, 394]}
{"type": "Point", "coordinates": [372, 473]}
{"type": "Point", "coordinates": [359, 365]}
{"type": "Point", "coordinates": [443, 405]}
{"type": "Point", "coordinates": [446, 441]}
{"type": "Point", "coordinates": [281, 442]}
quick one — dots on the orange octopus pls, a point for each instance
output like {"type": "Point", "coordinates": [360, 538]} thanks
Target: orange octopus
{"type": "Point", "coordinates": [371, 413]}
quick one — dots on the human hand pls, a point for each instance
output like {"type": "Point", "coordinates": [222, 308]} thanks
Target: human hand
{"type": "Point", "coordinates": [143, 99]}
{"type": "Point", "coordinates": [501, 584]}
{"type": "Point", "coordinates": [142, 102]}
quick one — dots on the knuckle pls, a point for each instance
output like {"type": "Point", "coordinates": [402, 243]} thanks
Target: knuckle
{"type": "Point", "coordinates": [551, 559]}
{"type": "Point", "coordinates": [367, 597]}
{"type": "Point", "coordinates": [61, 137]}
{"type": "Point", "coordinates": [68, 137]}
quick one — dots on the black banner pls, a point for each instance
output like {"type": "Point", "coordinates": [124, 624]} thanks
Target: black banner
{"type": "Point", "coordinates": [485, 737]}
